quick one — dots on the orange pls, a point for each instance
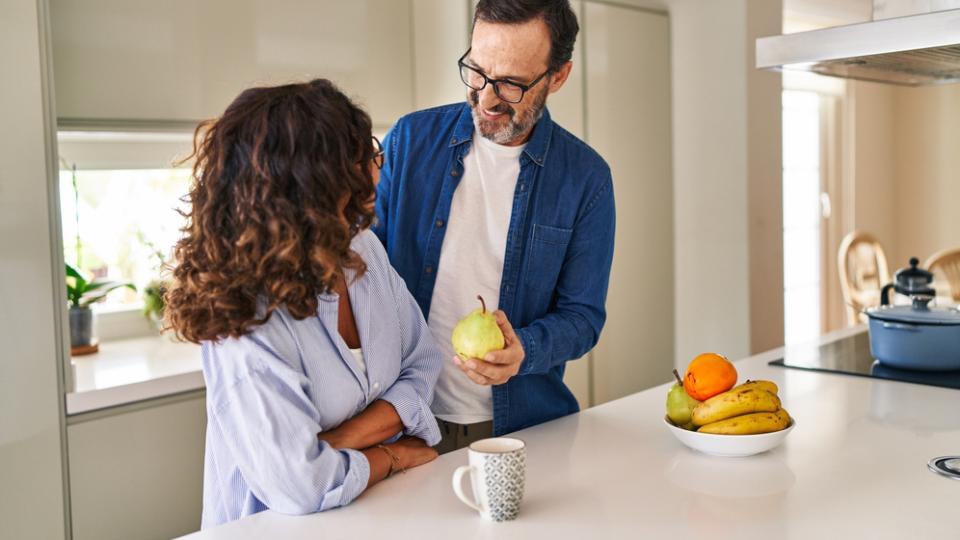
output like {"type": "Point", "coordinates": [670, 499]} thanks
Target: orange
{"type": "Point", "coordinates": [708, 375]}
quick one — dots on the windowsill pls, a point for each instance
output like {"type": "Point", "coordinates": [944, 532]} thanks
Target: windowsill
{"type": "Point", "coordinates": [131, 370]}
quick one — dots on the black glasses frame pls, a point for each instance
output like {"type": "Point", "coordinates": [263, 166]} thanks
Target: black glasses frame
{"type": "Point", "coordinates": [378, 154]}
{"type": "Point", "coordinates": [524, 88]}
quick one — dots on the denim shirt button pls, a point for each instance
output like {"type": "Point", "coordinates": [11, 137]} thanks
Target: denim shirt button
{"type": "Point", "coordinates": [439, 223]}
{"type": "Point", "coordinates": [428, 269]}
{"type": "Point", "coordinates": [455, 173]}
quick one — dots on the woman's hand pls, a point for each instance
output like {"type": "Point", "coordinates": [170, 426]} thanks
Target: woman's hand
{"type": "Point", "coordinates": [412, 452]}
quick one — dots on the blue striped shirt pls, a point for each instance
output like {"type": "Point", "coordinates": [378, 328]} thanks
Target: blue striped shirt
{"type": "Point", "coordinates": [271, 391]}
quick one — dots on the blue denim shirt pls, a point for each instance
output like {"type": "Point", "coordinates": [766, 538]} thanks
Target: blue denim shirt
{"type": "Point", "coordinates": [559, 245]}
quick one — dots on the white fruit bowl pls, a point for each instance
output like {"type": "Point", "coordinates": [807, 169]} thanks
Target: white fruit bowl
{"type": "Point", "coordinates": [729, 445]}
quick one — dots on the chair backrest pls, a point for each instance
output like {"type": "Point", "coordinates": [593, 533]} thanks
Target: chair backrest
{"type": "Point", "coordinates": [945, 265]}
{"type": "Point", "coordinates": [863, 272]}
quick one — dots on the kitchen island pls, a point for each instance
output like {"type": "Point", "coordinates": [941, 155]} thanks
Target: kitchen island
{"type": "Point", "coordinates": [855, 466]}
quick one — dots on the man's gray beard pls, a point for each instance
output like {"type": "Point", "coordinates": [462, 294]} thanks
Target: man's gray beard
{"type": "Point", "coordinates": [514, 129]}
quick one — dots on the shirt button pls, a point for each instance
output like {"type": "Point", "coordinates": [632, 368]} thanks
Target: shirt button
{"type": "Point", "coordinates": [439, 223]}
{"type": "Point", "coordinates": [376, 386]}
{"type": "Point", "coordinates": [429, 269]}
{"type": "Point", "coordinates": [455, 173]}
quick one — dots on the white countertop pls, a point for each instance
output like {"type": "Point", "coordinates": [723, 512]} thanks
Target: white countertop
{"type": "Point", "coordinates": [130, 370]}
{"type": "Point", "coordinates": [854, 467]}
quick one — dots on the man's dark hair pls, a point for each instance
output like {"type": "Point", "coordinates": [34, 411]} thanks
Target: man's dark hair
{"type": "Point", "coordinates": [560, 20]}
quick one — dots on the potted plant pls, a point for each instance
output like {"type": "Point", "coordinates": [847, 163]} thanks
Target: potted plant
{"type": "Point", "coordinates": [81, 294]}
{"type": "Point", "coordinates": [154, 290]}
{"type": "Point", "coordinates": [153, 302]}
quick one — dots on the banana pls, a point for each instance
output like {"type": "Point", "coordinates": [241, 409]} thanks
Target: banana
{"type": "Point", "coordinates": [749, 424]}
{"type": "Point", "coordinates": [769, 386]}
{"type": "Point", "coordinates": [734, 403]}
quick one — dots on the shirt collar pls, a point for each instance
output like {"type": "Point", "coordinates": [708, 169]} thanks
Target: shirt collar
{"type": "Point", "coordinates": [536, 149]}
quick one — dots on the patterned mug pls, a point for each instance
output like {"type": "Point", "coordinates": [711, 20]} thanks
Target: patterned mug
{"type": "Point", "coordinates": [497, 473]}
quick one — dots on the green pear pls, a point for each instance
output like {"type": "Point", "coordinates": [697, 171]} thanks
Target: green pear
{"type": "Point", "coordinates": [477, 334]}
{"type": "Point", "coordinates": [679, 403]}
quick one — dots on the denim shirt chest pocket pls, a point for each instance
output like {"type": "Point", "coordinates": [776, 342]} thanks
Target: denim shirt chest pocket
{"type": "Point", "coordinates": [548, 248]}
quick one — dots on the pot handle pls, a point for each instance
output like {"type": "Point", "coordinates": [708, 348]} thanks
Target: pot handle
{"type": "Point", "coordinates": [900, 326]}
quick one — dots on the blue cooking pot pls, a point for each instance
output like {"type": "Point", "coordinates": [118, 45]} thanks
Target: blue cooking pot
{"type": "Point", "coordinates": [916, 336]}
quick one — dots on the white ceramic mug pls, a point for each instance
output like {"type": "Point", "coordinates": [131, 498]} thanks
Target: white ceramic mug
{"type": "Point", "coordinates": [497, 473]}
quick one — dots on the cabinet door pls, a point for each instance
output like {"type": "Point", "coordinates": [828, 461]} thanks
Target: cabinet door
{"type": "Point", "coordinates": [628, 122]}
{"type": "Point", "coordinates": [32, 503]}
{"type": "Point", "coordinates": [139, 473]}
{"type": "Point", "coordinates": [182, 60]}
{"type": "Point", "coordinates": [566, 109]}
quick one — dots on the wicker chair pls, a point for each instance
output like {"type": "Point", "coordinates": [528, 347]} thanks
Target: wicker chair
{"type": "Point", "coordinates": [945, 266]}
{"type": "Point", "coordinates": [863, 272]}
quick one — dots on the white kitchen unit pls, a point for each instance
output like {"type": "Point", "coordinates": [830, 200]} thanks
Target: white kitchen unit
{"type": "Point", "coordinates": [567, 109]}
{"type": "Point", "coordinates": [617, 99]}
{"type": "Point", "coordinates": [627, 99]}
{"type": "Point", "coordinates": [32, 440]}
{"type": "Point", "coordinates": [137, 471]}
{"type": "Point", "coordinates": [854, 466]}
{"type": "Point", "coordinates": [179, 61]}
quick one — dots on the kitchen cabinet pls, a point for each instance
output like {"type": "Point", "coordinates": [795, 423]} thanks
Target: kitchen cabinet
{"type": "Point", "coordinates": [566, 108]}
{"type": "Point", "coordinates": [137, 471]}
{"type": "Point", "coordinates": [32, 471]}
{"type": "Point", "coordinates": [179, 61]}
{"type": "Point", "coordinates": [627, 99]}
{"type": "Point", "coordinates": [617, 99]}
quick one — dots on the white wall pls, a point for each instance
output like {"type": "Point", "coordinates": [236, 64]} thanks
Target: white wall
{"type": "Point", "coordinates": [927, 196]}
{"type": "Point", "coordinates": [905, 176]}
{"type": "Point", "coordinates": [764, 183]}
{"type": "Point", "coordinates": [722, 129]}
{"type": "Point", "coordinates": [874, 156]}
{"type": "Point", "coordinates": [31, 400]}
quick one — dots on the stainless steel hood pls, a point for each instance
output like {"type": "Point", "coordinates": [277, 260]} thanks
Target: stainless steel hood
{"type": "Point", "coordinates": [915, 50]}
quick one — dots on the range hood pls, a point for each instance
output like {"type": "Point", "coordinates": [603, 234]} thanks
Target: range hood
{"type": "Point", "coordinates": [915, 50]}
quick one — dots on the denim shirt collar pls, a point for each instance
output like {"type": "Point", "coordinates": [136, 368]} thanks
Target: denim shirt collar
{"type": "Point", "coordinates": [536, 149]}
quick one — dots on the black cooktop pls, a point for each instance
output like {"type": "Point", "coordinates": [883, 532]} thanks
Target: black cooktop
{"type": "Point", "coordinates": [852, 356]}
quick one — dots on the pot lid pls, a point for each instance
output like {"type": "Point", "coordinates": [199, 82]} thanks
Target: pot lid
{"type": "Point", "coordinates": [942, 316]}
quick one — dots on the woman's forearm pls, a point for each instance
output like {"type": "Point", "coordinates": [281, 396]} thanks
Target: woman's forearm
{"type": "Point", "coordinates": [375, 424]}
{"type": "Point", "coordinates": [380, 463]}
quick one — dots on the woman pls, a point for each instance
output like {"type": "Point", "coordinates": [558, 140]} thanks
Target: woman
{"type": "Point", "coordinates": [318, 364]}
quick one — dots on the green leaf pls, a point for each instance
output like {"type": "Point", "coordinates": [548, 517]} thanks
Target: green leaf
{"type": "Point", "coordinates": [75, 291]}
{"type": "Point", "coordinates": [101, 289]}
{"type": "Point", "coordinates": [109, 284]}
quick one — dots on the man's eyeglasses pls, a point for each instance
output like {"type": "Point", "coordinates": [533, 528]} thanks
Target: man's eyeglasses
{"type": "Point", "coordinates": [509, 91]}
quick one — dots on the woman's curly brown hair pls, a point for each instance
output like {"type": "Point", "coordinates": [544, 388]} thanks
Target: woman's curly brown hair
{"type": "Point", "coordinates": [264, 223]}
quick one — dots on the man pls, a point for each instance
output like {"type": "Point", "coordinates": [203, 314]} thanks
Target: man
{"type": "Point", "coordinates": [492, 198]}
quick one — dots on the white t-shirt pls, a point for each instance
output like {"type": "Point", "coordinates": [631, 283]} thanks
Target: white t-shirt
{"type": "Point", "coordinates": [358, 358]}
{"type": "Point", "coordinates": [471, 263]}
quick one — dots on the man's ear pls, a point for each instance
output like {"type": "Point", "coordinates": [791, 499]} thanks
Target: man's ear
{"type": "Point", "coordinates": [560, 77]}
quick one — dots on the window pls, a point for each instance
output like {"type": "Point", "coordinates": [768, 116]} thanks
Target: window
{"type": "Point", "coordinates": [119, 196]}
{"type": "Point", "coordinates": [801, 216]}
